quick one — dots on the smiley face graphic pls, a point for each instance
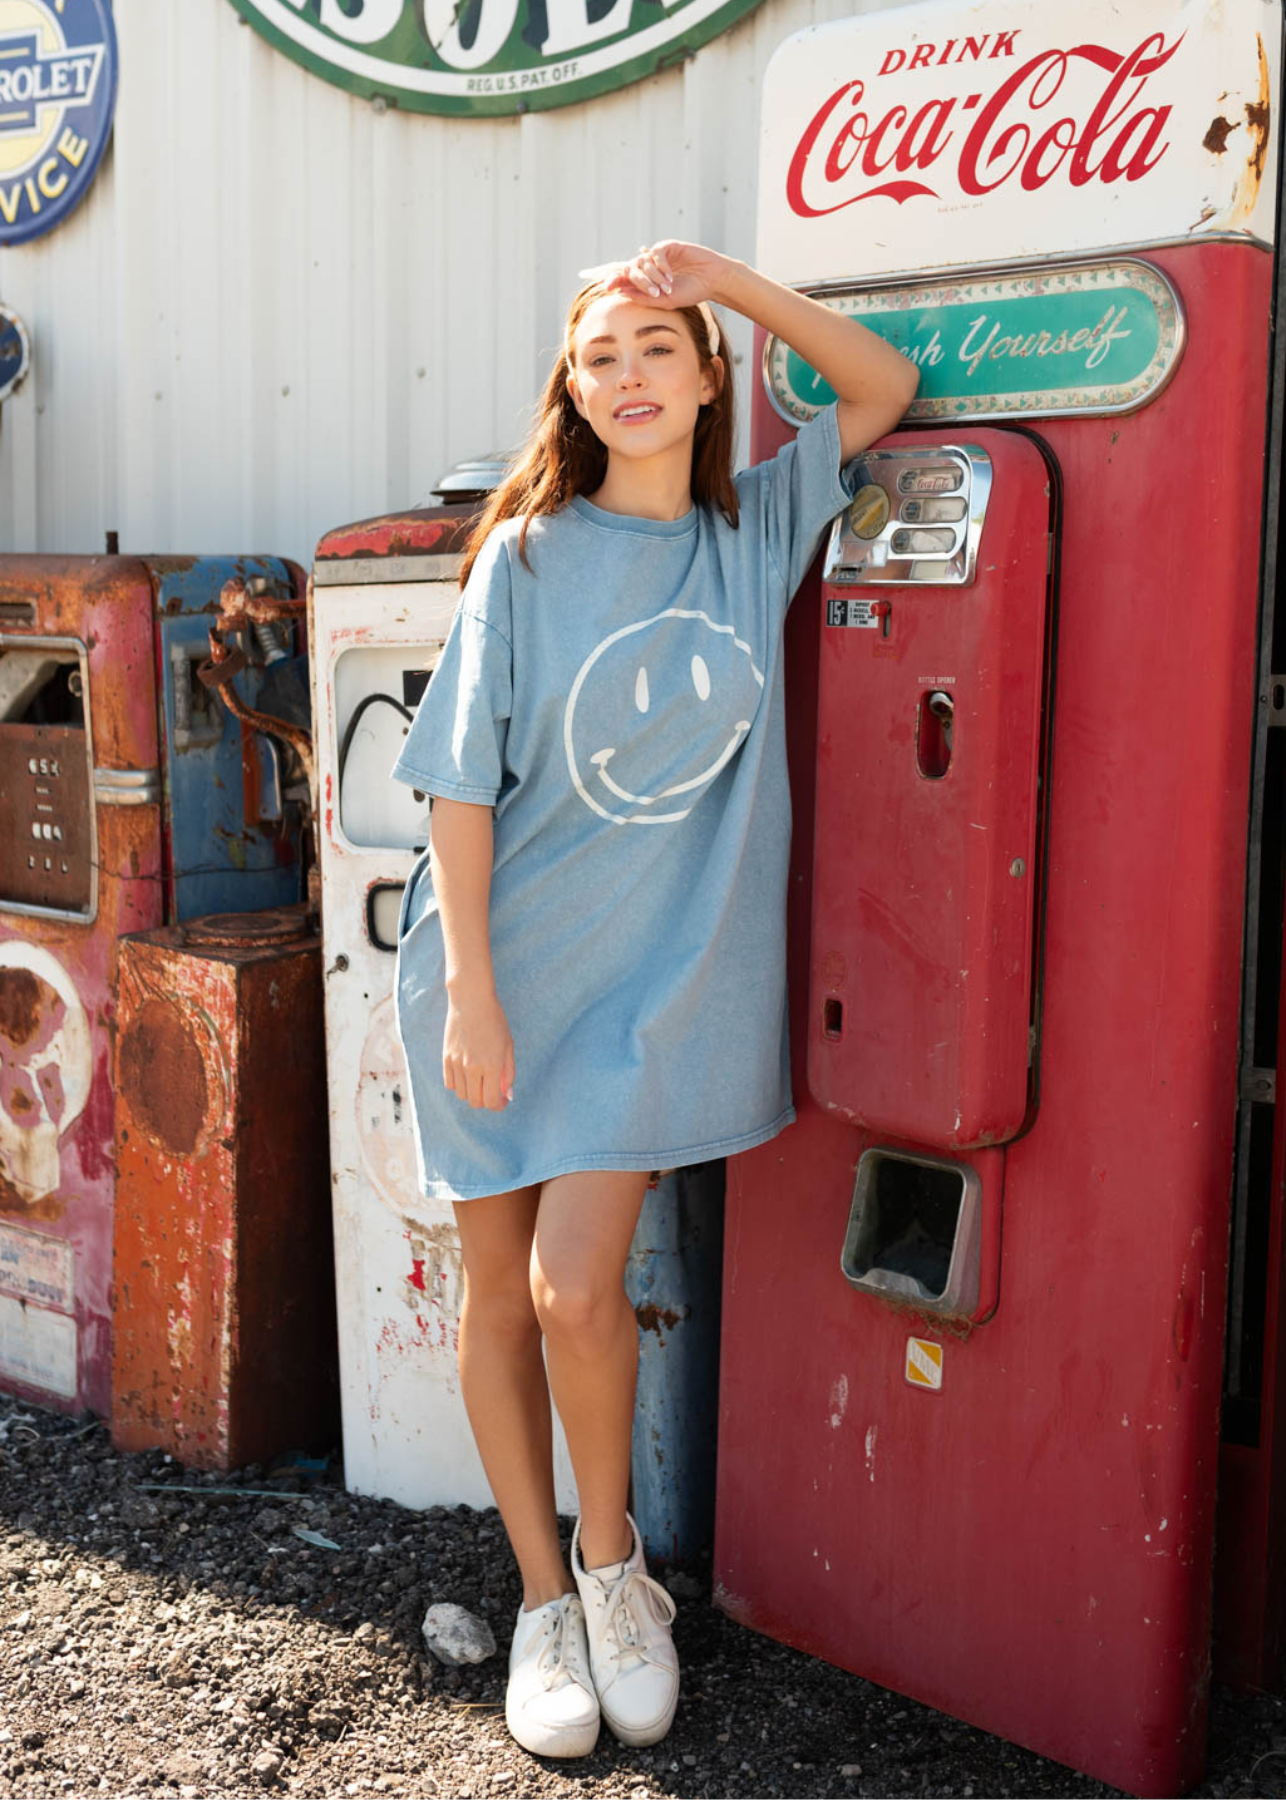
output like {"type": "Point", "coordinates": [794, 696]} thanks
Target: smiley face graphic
{"type": "Point", "coordinates": [656, 712]}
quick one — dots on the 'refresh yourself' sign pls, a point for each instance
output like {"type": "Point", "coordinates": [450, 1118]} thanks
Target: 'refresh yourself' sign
{"type": "Point", "coordinates": [1103, 338]}
{"type": "Point", "coordinates": [488, 56]}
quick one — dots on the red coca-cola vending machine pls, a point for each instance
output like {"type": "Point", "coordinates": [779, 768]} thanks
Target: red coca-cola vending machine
{"type": "Point", "coordinates": [1000, 1309]}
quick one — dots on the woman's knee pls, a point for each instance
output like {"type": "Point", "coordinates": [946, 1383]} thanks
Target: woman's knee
{"type": "Point", "coordinates": [574, 1309]}
{"type": "Point", "coordinates": [579, 1248]}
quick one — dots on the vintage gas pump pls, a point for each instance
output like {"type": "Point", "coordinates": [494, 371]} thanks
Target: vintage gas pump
{"type": "Point", "coordinates": [1022, 682]}
{"type": "Point", "coordinates": [383, 595]}
{"type": "Point", "coordinates": [129, 798]}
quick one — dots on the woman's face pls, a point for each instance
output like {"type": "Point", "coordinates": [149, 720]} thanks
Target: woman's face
{"type": "Point", "coordinates": [638, 378]}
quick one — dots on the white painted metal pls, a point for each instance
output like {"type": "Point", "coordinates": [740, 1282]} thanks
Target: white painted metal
{"type": "Point", "coordinates": [987, 131]}
{"type": "Point", "coordinates": [398, 1269]}
{"type": "Point", "coordinates": [280, 309]}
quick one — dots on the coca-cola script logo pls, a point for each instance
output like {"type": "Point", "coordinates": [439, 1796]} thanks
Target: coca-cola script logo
{"type": "Point", "coordinates": [850, 146]}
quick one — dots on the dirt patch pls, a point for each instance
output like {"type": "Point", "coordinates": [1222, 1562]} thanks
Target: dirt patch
{"type": "Point", "coordinates": [193, 1644]}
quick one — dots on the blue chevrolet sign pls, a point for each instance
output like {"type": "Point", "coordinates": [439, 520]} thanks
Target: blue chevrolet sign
{"type": "Point", "coordinates": [57, 96]}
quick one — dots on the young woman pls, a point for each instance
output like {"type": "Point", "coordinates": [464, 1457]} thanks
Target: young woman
{"type": "Point", "coordinates": [591, 957]}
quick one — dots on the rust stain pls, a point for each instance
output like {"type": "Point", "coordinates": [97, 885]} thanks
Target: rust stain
{"type": "Point", "coordinates": [1241, 204]}
{"type": "Point", "coordinates": [47, 1208]}
{"type": "Point", "coordinates": [652, 1317]}
{"type": "Point", "coordinates": [162, 1077]}
{"type": "Point", "coordinates": [1216, 139]}
{"type": "Point", "coordinates": [271, 926]}
{"type": "Point", "coordinates": [19, 1005]}
{"type": "Point", "coordinates": [1258, 118]}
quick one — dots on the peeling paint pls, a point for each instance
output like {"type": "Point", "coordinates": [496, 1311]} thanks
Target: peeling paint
{"type": "Point", "coordinates": [838, 1402]}
{"type": "Point", "coordinates": [436, 1276]}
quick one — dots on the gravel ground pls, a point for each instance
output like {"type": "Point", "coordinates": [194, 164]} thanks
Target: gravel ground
{"type": "Point", "coordinates": [193, 1644]}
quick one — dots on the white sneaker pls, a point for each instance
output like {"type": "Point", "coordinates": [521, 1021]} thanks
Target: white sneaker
{"type": "Point", "coordinates": [631, 1652]}
{"type": "Point", "coordinates": [550, 1705]}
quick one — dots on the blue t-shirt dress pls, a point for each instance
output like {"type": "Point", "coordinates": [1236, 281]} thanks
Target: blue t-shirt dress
{"type": "Point", "coordinates": [620, 705]}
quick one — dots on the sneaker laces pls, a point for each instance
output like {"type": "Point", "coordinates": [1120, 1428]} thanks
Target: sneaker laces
{"type": "Point", "coordinates": [626, 1617]}
{"type": "Point", "coordinates": [557, 1657]}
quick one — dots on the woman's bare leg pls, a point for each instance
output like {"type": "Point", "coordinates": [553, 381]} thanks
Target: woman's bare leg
{"type": "Point", "coordinates": [502, 1377]}
{"type": "Point", "coordinates": [584, 1227]}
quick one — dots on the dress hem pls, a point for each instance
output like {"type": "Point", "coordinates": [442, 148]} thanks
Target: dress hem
{"type": "Point", "coordinates": [627, 1160]}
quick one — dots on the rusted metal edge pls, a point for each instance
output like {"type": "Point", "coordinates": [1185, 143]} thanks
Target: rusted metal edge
{"type": "Point", "coordinates": [355, 570]}
{"type": "Point", "coordinates": [420, 531]}
{"type": "Point", "coordinates": [241, 604]}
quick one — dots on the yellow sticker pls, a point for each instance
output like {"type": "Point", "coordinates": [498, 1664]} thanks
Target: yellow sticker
{"type": "Point", "coordinates": [868, 511]}
{"type": "Point", "coordinates": [924, 1363]}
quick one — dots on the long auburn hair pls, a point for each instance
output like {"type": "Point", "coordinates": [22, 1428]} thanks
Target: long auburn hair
{"type": "Point", "coordinates": [563, 456]}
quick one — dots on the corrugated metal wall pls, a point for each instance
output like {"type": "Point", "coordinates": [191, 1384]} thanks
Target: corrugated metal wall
{"type": "Point", "coordinates": [279, 309]}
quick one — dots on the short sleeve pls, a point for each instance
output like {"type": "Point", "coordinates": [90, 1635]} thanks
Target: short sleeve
{"type": "Point", "coordinates": [804, 489]}
{"type": "Point", "coordinates": [456, 744]}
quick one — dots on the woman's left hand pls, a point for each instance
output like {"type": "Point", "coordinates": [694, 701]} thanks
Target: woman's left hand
{"type": "Point", "coordinates": [667, 274]}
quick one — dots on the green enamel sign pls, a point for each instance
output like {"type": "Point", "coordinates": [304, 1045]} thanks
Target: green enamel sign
{"type": "Point", "coordinates": [487, 56]}
{"type": "Point", "coordinates": [1089, 338]}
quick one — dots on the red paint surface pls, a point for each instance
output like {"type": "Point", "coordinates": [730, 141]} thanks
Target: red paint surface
{"type": "Point", "coordinates": [1031, 1548]}
{"type": "Point", "coordinates": [912, 889]}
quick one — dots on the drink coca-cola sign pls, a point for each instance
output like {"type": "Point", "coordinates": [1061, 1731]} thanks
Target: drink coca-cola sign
{"type": "Point", "coordinates": [938, 134]}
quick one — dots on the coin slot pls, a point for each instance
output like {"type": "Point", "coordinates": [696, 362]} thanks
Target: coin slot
{"type": "Point", "coordinates": [832, 1017]}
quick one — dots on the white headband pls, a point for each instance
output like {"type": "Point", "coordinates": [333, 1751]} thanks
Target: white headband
{"type": "Point", "coordinates": [603, 270]}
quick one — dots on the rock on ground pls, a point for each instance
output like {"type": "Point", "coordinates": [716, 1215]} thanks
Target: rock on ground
{"type": "Point", "coordinates": [194, 1645]}
{"type": "Point", "coordinates": [455, 1636]}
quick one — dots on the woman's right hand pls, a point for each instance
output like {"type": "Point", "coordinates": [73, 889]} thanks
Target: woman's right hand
{"type": "Point", "coordinates": [478, 1051]}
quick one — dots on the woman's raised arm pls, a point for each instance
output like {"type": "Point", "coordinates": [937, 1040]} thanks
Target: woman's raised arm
{"type": "Point", "coordinates": [874, 383]}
